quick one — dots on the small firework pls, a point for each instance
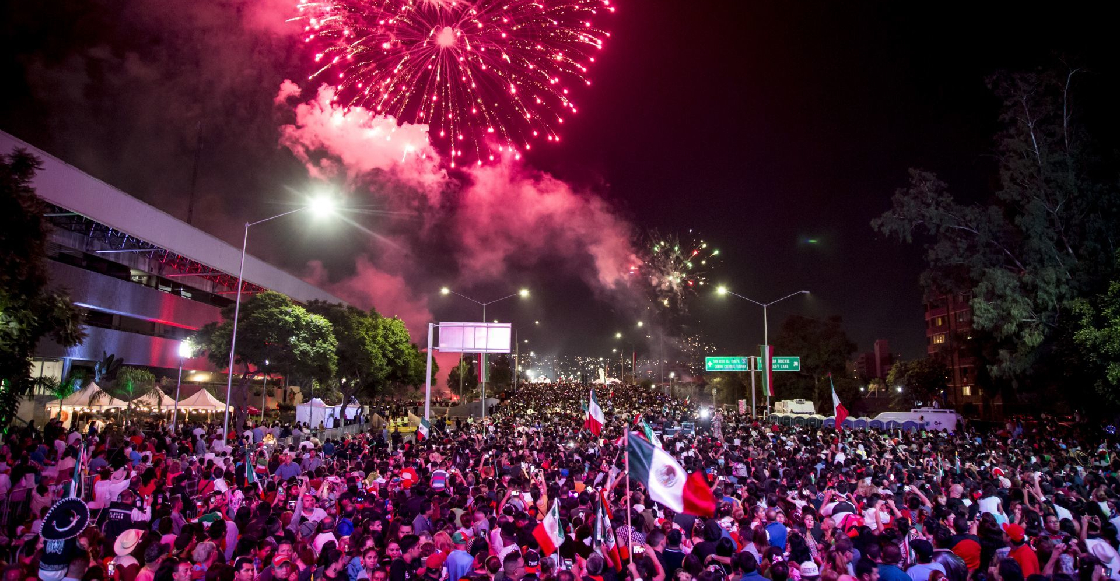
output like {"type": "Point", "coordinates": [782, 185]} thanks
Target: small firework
{"type": "Point", "coordinates": [674, 268]}
{"type": "Point", "coordinates": [487, 76]}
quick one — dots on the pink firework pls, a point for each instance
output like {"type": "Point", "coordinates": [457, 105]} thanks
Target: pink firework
{"type": "Point", "coordinates": [487, 76]}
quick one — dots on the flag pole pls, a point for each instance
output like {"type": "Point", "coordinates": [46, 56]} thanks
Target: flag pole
{"type": "Point", "coordinates": [629, 527]}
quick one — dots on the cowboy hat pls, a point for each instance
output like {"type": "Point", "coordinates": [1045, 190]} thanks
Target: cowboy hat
{"type": "Point", "coordinates": [128, 540]}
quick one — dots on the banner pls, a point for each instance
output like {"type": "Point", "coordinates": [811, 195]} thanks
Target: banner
{"type": "Point", "coordinates": [742, 406]}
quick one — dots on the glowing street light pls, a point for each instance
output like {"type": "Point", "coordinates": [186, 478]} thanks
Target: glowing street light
{"type": "Point", "coordinates": [186, 350]}
{"type": "Point", "coordinates": [321, 206]}
{"type": "Point", "coordinates": [722, 290]}
{"type": "Point", "coordinates": [523, 293]}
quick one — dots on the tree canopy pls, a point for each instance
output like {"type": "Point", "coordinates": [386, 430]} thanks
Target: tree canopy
{"type": "Point", "coordinates": [463, 378]}
{"type": "Point", "coordinates": [921, 380]}
{"type": "Point", "coordinates": [824, 349]}
{"type": "Point", "coordinates": [1042, 240]}
{"type": "Point", "coordinates": [296, 343]}
{"type": "Point", "coordinates": [360, 350]}
{"type": "Point", "coordinates": [29, 309]}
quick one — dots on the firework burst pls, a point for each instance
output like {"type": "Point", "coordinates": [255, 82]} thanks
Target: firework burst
{"type": "Point", "coordinates": [488, 77]}
{"type": "Point", "coordinates": [674, 268]}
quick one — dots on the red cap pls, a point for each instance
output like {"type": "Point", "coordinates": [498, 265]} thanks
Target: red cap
{"type": "Point", "coordinates": [1014, 532]}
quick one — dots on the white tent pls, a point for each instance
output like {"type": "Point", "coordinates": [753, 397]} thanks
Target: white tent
{"type": "Point", "coordinates": [154, 400]}
{"type": "Point", "coordinates": [316, 413]}
{"type": "Point", "coordinates": [201, 401]}
{"type": "Point", "coordinates": [90, 397]}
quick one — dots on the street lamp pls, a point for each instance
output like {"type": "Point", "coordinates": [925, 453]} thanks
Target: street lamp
{"type": "Point", "coordinates": [321, 206]}
{"type": "Point", "coordinates": [264, 391]}
{"type": "Point", "coordinates": [722, 290]}
{"type": "Point", "coordinates": [185, 352]}
{"type": "Point", "coordinates": [523, 293]}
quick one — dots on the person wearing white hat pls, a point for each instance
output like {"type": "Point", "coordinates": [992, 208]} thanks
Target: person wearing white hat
{"type": "Point", "coordinates": [124, 565]}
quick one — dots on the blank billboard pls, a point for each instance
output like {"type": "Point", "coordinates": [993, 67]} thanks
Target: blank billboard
{"type": "Point", "coordinates": [474, 337]}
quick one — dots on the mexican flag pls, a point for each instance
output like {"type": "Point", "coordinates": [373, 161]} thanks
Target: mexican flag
{"type": "Point", "coordinates": [548, 533]}
{"type": "Point", "coordinates": [767, 369]}
{"type": "Point", "coordinates": [250, 470]}
{"type": "Point", "coordinates": [837, 407]}
{"type": "Point", "coordinates": [595, 418]}
{"type": "Point", "coordinates": [666, 480]}
{"type": "Point", "coordinates": [652, 437]}
{"type": "Point", "coordinates": [423, 429]}
{"type": "Point", "coordinates": [605, 540]}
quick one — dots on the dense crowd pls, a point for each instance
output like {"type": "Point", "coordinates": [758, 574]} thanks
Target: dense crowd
{"type": "Point", "coordinates": [1026, 501]}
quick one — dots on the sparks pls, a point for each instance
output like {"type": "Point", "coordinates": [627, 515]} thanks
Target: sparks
{"type": "Point", "coordinates": [492, 73]}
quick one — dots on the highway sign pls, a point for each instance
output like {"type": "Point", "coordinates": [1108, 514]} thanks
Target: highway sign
{"type": "Point", "coordinates": [785, 363]}
{"type": "Point", "coordinates": [726, 364]}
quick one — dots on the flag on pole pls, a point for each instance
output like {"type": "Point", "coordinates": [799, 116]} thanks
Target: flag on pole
{"type": "Point", "coordinates": [837, 408]}
{"type": "Point", "coordinates": [652, 437]}
{"type": "Point", "coordinates": [548, 533]}
{"type": "Point", "coordinates": [767, 369]}
{"type": "Point", "coordinates": [76, 482]}
{"type": "Point", "coordinates": [595, 418]}
{"type": "Point", "coordinates": [605, 541]}
{"type": "Point", "coordinates": [666, 480]}
{"type": "Point", "coordinates": [423, 429]}
{"type": "Point", "coordinates": [250, 470]}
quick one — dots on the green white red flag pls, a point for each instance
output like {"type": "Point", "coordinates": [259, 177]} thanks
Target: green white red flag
{"type": "Point", "coordinates": [549, 534]}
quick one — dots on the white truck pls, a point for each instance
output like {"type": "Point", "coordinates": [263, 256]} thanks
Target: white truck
{"type": "Point", "coordinates": [795, 406]}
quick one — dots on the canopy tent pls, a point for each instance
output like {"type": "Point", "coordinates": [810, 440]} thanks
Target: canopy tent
{"type": "Point", "coordinates": [317, 414]}
{"type": "Point", "coordinates": [90, 397]}
{"type": "Point", "coordinates": [154, 399]}
{"type": "Point", "coordinates": [201, 401]}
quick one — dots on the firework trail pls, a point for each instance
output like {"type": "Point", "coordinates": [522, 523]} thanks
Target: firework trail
{"type": "Point", "coordinates": [487, 76]}
{"type": "Point", "coordinates": [674, 268]}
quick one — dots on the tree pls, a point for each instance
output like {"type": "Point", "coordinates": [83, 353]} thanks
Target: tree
{"type": "Point", "coordinates": [29, 310]}
{"type": "Point", "coordinates": [825, 350]}
{"type": "Point", "coordinates": [1098, 334]}
{"type": "Point", "coordinates": [500, 371]}
{"type": "Point", "coordinates": [407, 365]}
{"type": "Point", "coordinates": [463, 378]}
{"type": "Point", "coordinates": [921, 380]}
{"type": "Point", "coordinates": [130, 384]}
{"type": "Point", "coordinates": [362, 365]}
{"type": "Point", "coordinates": [1043, 240]}
{"type": "Point", "coordinates": [297, 344]}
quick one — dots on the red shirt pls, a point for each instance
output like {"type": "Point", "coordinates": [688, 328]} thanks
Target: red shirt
{"type": "Point", "coordinates": [1026, 558]}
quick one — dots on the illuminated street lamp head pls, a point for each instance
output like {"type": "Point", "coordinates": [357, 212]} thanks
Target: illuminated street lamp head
{"type": "Point", "coordinates": [444, 291]}
{"type": "Point", "coordinates": [618, 335]}
{"type": "Point", "coordinates": [322, 206]}
{"type": "Point", "coordinates": [186, 349]}
{"type": "Point", "coordinates": [524, 293]}
{"type": "Point", "coordinates": [641, 323]}
{"type": "Point", "coordinates": [721, 290]}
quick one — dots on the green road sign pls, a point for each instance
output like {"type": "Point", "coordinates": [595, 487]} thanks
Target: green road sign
{"type": "Point", "coordinates": [785, 363]}
{"type": "Point", "coordinates": [726, 364]}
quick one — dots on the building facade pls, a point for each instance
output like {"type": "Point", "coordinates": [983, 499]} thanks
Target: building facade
{"type": "Point", "coordinates": [144, 279]}
{"type": "Point", "coordinates": [948, 326]}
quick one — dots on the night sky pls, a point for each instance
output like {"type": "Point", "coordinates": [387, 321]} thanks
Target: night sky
{"type": "Point", "coordinates": [760, 125]}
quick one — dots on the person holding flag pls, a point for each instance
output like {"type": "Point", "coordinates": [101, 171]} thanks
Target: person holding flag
{"type": "Point", "coordinates": [666, 481]}
{"type": "Point", "coordinates": [423, 431]}
{"type": "Point", "coordinates": [549, 533]}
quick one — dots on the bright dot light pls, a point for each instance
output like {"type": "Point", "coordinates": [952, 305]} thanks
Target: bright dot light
{"type": "Point", "coordinates": [704, 412]}
{"type": "Point", "coordinates": [322, 206]}
{"type": "Point", "coordinates": [640, 323]}
{"type": "Point", "coordinates": [898, 389]}
{"type": "Point", "coordinates": [721, 290]}
{"type": "Point", "coordinates": [524, 293]}
{"type": "Point", "coordinates": [186, 349]}
{"type": "Point", "coordinates": [618, 335]}
{"type": "Point", "coordinates": [444, 291]}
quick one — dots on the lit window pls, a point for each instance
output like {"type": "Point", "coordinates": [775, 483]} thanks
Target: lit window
{"type": "Point", "coordinates": [939, 339]}
{"type": "Point", "coordinates": [940, 321]}
{"type": "Point", "coordinates": [966, 390]}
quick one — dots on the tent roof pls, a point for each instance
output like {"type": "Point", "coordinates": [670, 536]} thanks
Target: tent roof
{"type": "Point", "coordinates": [154, 398]}
{"type": "Point", "coordinates": [201, 400]}
{"type": "Point", "coordinates": [90, 396]}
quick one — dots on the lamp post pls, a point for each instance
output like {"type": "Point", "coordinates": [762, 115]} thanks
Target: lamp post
{"type": "Point", "coordinates": [264, 391]}
{"type": "Point", "coordinates": [523, 293]}
{"type": "Point", "coordinates": [322, 206]}
{"type": "Point", "coordinates": [723, 290]}
{"type": "Point", "coordinates": [185, 351]}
